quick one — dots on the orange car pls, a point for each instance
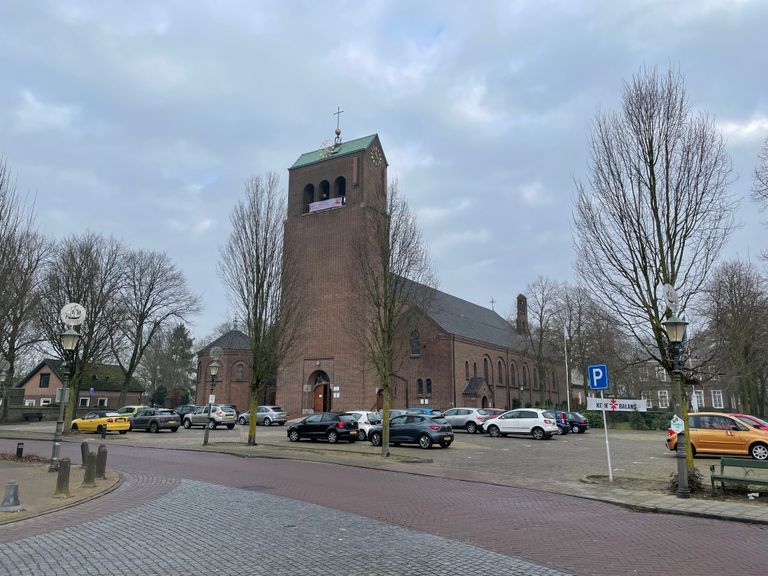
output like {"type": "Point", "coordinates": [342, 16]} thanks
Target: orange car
{"type": "Point", "coordinates": [716, 433]}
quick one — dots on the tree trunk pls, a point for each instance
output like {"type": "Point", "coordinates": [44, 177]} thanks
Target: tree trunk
{"type": "Point", "coordinates": [385, 418]}
{"type": "Point", "coordinates": [253, 408]}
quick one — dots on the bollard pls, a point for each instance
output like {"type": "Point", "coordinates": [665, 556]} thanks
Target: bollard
{"type": "Point", "coordinates": [62, 480]}
{"type": "Point", "coordinates": [101, 462]}
{"type": "Point", "coordinates": [103, 432]}
{"type": "Point", "coordinates": [11, 498]}
{"type": "Point", "coordinates": [84, 451]}
{"type": "Point", "coordinates": [19, 449]}
{"type": "Point", "coordinates": [89, 480]}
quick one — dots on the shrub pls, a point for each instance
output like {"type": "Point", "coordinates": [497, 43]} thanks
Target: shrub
{"type": "Point", "coordinates": [595, 418]}
{"type": "Point", "coordinates": [695, 481]}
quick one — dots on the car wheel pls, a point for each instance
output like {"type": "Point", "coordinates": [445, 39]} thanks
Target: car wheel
{"type": "Point", "coordinates": [282, 423]}
{"type": "Point", "coordinates": [187, 424]}
{"type": "Point", "coordinates": [153, 427]}
{"type": "Point", "coordinates": [582, 430]}
{"type": "Point", "coordinates": [564, 431]}
{"type": "Point", "coordinates": [494, 431]}
{"type": "Point", "coordinates": [293, 435]}
{"type": "Point", "coordinates": [471, 427]}
{"type": "Point", "coordinates": [759, 451]}
{"type": "Point", "coordinates": [123, 431]}
{"type": "Point", "coordinates": [241, 421]}
{"type": "Point", "coordinates": [361, 435]}
{"type": "Point", "coordinates": [333, 437]}
{"type": "Point", "coordinates": [425, 441]}
{"type": "Point", "coordinates": [267, 422]}
{"type": "Point", "coordinates": [376, 438]}
{"type": "Point", "coordinates": [446, 444]}
{"type": "Point", "coordinates": [74, 427]}
{"type": "Point", "coordinates": [175, 429]}
{"type": "Point", "coordinates": [230, 426]}
{"type": "Point", "coordinates": [211, 425]}
{"type": "Point", "coordinates": [538, 433]}
{"type": "Point", "coordinates": [575, 429]}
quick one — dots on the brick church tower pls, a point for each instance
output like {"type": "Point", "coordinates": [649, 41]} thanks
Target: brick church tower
{"type": "Point", "coordinates": [333, 193]}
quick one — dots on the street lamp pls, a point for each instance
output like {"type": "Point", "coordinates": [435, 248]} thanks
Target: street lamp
{"type": "Point", "coordinates": [69, 340]}
{"type": "Point", "coordinates": [4, 367]}
{"type": "Point", "coordinates": [213, 367]}
{"type": "Point", "coordinates": [675, 331]}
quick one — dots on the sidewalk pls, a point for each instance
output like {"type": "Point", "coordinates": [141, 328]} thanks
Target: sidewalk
{"type": "Point", "coordinates": [645, 500]}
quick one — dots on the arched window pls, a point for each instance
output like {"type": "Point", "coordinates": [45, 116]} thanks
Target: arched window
{"type": "Point", "coordinates": [309, 196]}
{"type": "Point", "coordinates": [340, 187]}
{"type": "Point", "coordinates": [239, 371]}
{"type": "Point", "coordinates": [500, 375]}
{"type": "Point", "coordinates": [485, 371]}
{"type": "Point", "coordinates": [474, 369]}
{"type": "Point", "coordinates": [536, 379]}
{"type": "Point", "coordinates": [420, 387]}
{"type": "Point", "coordinates": [429, 387]}
{"type": "Point", "coordinates": [525, 377]}
{"type": "Point", "coordinates": [415, 343]}
{"type": "Point", "coordinates": [466, 369]}
{"type": "Point", "coordinates": [325, 190]}
{"type": "Point", "coordinates": [512, 375]}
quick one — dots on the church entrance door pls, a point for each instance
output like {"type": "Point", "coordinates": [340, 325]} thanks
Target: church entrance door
{"type": "Point", "coordinates": [321, 392]}
{"type": "Point", "coordinates": [485, 401]}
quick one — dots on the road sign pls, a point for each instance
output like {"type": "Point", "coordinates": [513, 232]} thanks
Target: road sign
{"type": "Point", "coordinates": [211, 399]}
{"type": "Point", "coordinates": [598, 376]}
{"type": "Point", "coordinates": [677, 424]}
{"type": "Point", "coordinates": [617, 404]}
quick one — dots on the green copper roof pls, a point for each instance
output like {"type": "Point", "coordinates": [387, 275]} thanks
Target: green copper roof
{"type": "Point", "coordinates": [343, 149]}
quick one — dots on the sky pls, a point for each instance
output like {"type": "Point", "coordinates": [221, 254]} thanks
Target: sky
{"type": "Point", "coordinates": [142, 120]}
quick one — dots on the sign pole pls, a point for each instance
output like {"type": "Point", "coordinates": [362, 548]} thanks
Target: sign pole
{"type": "Point", "coordinates": [567, 374]}
{"type": "Point", "coordinates": [607, 446]}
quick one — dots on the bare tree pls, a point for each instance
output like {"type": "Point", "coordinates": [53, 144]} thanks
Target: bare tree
{"type": "Point", "coordinates": [738, 327]}
{"type": "Point", "coordinates": [265, 292]}
{"type": "Point", "coordinates": [153, 294]}
{"type": "Point", "coordinates": [545, 334]}
{"type": "Point", "coordinates": [86, 269]}
{"type": "Point", "coordinates": [760, 184]}
{"type": "Point", "coordinates": [393, 274]}
{"type": "Point", "coordinates": [656, 210]}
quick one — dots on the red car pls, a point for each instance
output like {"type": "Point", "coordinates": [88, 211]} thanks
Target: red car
{"type": "Point", "coordinates": [752, 421]}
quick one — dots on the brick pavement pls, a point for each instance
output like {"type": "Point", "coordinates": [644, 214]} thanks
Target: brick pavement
{"type": "Point", "coordinates": [571, 534]}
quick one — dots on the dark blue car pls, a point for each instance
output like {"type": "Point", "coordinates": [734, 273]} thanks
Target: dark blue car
{"type": "Point", "coordinates": [422, 429]}
{"type": "Point", "coordinates": [560, 419]}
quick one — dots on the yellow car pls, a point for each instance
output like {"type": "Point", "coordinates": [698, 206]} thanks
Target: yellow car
{"type": "Point", "coordinates": [95, 421]}
{"type": "Point", "coordinates": [716, 433]}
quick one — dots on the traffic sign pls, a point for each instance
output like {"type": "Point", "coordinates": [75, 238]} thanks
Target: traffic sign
{"type": "Point", "coordinates": [598, 376]}
{"type": "Point", "coordinates": [677, 424]}
{"type": "Point", "coordinates": [617, 405]}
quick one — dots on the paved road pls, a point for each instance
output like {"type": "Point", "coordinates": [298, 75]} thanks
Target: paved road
{"type": "Point", "coordinates": [548, 530]}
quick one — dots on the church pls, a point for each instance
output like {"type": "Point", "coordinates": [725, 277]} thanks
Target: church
{"type": "Point", "coordinates": [456, 353]}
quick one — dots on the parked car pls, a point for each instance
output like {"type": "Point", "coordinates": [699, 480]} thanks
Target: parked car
{"type": "Point", "coordinates": [266, 415]}
{"type": "Point", "coordinates": [578, 422]}
{"type": "Point", "coordinates": [332, 426]}
{"type": "Point", "coordinates": [185, 409]}
{"type": "Point", "coordinates": [422, 429]}
{"type": "Point", "coordinates": [470, 419]}
{"type": "Point", "coordinates": [220, 415]}
{"type": "Point", "coordinates": [156, 419]}
{"type": "Point", "coordinates": [717, 433]}
{"type": "Point", "coordinates": [365, 420]}
{"type": "Point", "coordinates": [560, 419]}
{"type": "Point", "coordinates": [102, 419]}
{"type": "Point", "coordinates": [527, 421]}
{"type": "Point", "coordinates": [753, 421]}
{"type": "Point", "coordinates": [233, 408]}
{"type": "Point", "coordinates": [422, 410]}
{"type": "Point", "coordinates": [493, 412]}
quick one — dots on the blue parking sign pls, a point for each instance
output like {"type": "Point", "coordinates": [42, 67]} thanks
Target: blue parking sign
{"type": "Point", "coordinates": [598, 376]}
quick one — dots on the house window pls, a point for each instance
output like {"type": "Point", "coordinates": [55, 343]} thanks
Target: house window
{"type": "Point", "coordinates": [45, 380]}
{"type": "Point", "coordinates": [717, 398]}
{"type": "Point", "coordinates": [429, 387]}
{"type": "Point", "coordinates": [420, 387]}
{"type": "Point", "coordinates": [45, 401]}
{"type": "Point", "coordinates": [663, 398]}
{"type": "Point", "coordinates": [84, 402]}
{"type": "Point", "coordinates": [699, 395]}
{"type": "Point", "coordinates": [415, 343]}
{"type": "Point", "coordinates": [734, 402]}
{"type": "Point", "coordinates": [102, 402]}
{"type": "Point", "coordinates": [239, 372]}
{"type": "Point", "coordinates": [661, 374]}
{"type": "Point", "coordinates": [29, 402]}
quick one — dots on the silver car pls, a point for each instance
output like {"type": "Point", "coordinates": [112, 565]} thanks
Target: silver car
{"type": "Point", "coordinates": [220, 415]}
{"type": "Point", "coordinates": [266, 415]}
{"type": "Point", "coordinates": [471, 419]}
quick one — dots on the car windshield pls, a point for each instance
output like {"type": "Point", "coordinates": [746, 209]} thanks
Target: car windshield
{"type": "Point", "coordinates": [549, 414]}
{"type": "Point", "coordinates": [754, 420]}
{"type": "Point", "coordinates": [374, 417]}
{"type": "Point", "coordinates": [165, 411]}
{"type": "Point", "coordinates": [227, 409]}
{"type": "Point", "coordinates": [439, 420]}
{"type": "Point", "coordinates": [276, 409]}
{"type": "Point", "coordinates": [482, 413]}
{"type": "Point", "coordinates": [347, 418]}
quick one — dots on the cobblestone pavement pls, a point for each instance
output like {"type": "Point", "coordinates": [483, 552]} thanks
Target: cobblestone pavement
{"type": "Point", "coordinates": [232, 531]}
{"type": "Point", "coordinates": [562, 532]}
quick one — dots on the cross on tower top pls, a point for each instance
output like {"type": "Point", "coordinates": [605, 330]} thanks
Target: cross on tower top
{"type": "Point", "coordinates": [338, 114]}
{"type": "Point", "coordinates": [492, 303]}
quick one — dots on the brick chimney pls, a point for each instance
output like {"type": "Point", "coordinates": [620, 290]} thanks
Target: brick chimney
{"type": "Point", "coordinates": [521, 323]}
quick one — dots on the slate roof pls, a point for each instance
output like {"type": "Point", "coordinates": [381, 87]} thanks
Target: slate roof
{"type": "Point", "coordinates": [100, 377]}
{"type": "Point", "coordinates": [232, 340]}
{"type": "Point", "coordinates": [473, 386]}
{"type": "Point", "coordinates": [463, 318]}
{"type": "Point", "coordinates": [343, 149]}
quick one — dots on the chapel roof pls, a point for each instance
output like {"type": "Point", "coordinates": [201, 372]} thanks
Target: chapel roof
{"type": "Point", "coordinates": [232, 340]}
{"type": "Point", "coordinates": [357, 145]}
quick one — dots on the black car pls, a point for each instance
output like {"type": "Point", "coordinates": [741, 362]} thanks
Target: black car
{"type": "Point", "coordinates": [185, 409]}
{"type": "Point", "coordinates": [560, 419]}
{"type": "Point", "coordinates": [577, 422]}
{"type": "Point", "coordinates": [422, 429]}
{"type": "Point", "coordinates": [332, 426]}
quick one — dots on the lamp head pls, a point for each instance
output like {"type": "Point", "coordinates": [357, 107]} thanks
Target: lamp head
{"type": "Point", "coordinates": [69, 339]}
{"type": "Point", "coordinates": [675, 327]}
{"type": "Point", "coordinates": [213, 367]}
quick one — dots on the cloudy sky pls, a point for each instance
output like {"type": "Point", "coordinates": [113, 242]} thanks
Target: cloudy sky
{"type": "Point", "coordinates": [143, 120]}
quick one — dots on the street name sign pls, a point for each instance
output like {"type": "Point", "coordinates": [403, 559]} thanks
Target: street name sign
{"type": "Point", "coordinates": [617, 405]}
{"type": "Point", "coordinates": [598, 376]}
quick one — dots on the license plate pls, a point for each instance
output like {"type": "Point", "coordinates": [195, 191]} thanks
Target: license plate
{"type": "Point", "coordinates": [171, 421]}
{"type": "Point", "coordinates": [353, 432]}
{"type": "Point", "coordinates": [448, 437]}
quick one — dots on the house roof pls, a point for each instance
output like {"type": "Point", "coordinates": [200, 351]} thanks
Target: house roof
{"type": "Point", "coordinates": [100, 377]}
{"type": "Point", "coordinates": [463, 318]}
{"type": "Point", "coordinates": [232, 340]}
{"type": "Point", "coordinates": [342, 149]}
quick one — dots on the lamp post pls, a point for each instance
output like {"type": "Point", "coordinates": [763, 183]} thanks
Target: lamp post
{"type": "Point", "coordinates": [213, 367]}
{"type": "Point", "coordinates": [4, 367]}
{"type": "Point", "coordinates": [69, 340]}
{"type": "Point", "coordinates": [675, 331]}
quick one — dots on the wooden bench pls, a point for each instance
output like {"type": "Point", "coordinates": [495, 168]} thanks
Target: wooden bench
{"type": "Point", "coordinates": [30, 416]}
{"type": "Point", "coordinates": [746, 465]}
